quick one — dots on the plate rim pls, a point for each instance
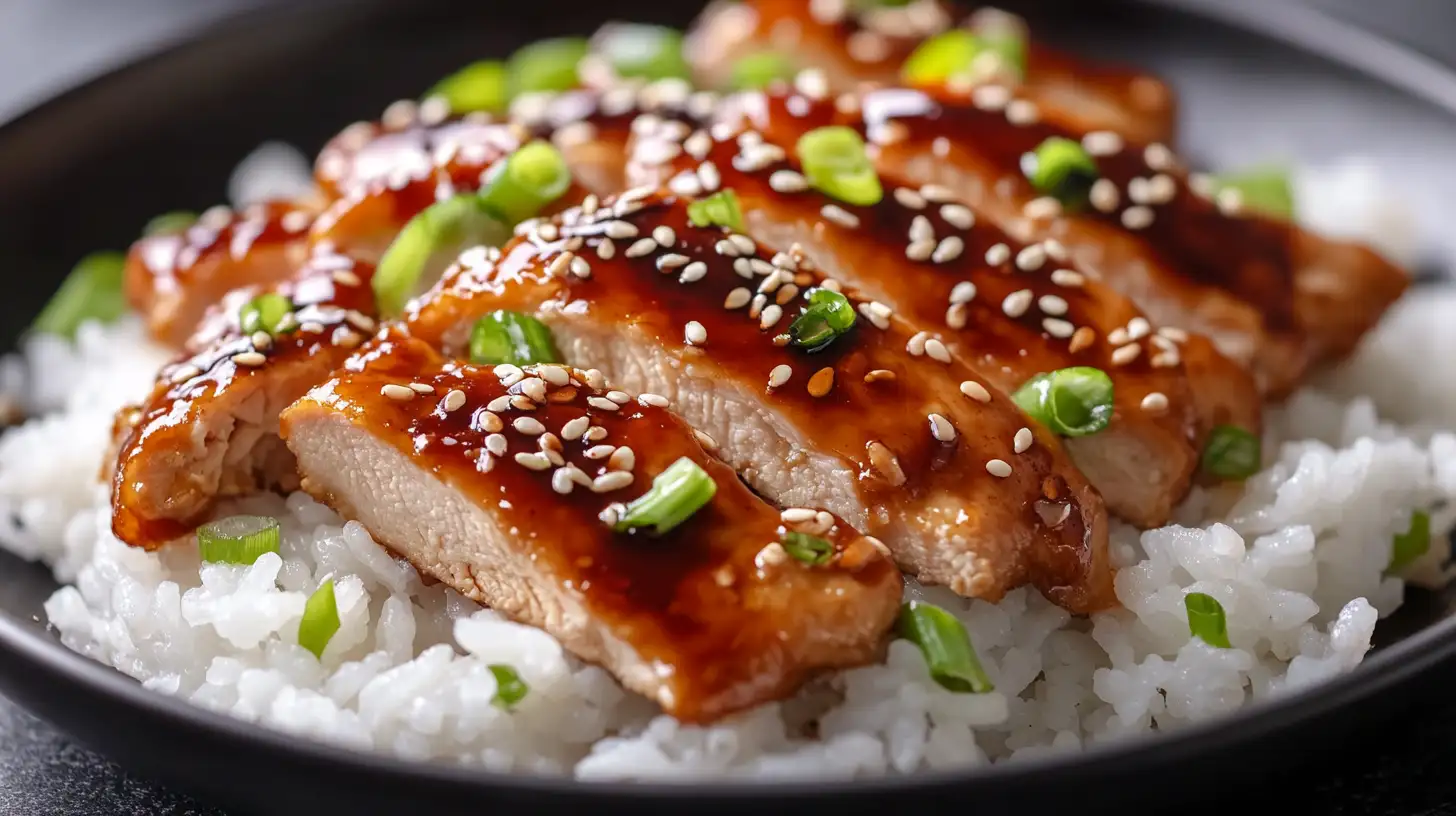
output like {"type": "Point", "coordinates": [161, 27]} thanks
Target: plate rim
{"type": "Point", "coordinates": [1302, 28]}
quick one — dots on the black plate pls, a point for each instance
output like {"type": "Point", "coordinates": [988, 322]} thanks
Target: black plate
{"type": "Point", "coordinates": [84, 171]}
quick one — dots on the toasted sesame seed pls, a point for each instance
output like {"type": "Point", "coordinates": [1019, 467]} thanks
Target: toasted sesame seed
{"type": "Point", "coordinates": [990, 97]}
{"type": "Point", "coordinates": [780, 375]}
{"type": "Point", "coordinates": [936, 350]}
{"type": "Point", "coordinates": [496, 444]}
{"type": "Point", "coordinates": [975, 391]}
{"type": "Point", "coordinates": [786, 293]}
{"type": "Point", "coordinates": [1126, 354]}
{"type": "Point", "coordinates": [1118, 336]}
{"type": "Point", "coordinates": [797, 515]}
{"type": "Point", "coordinates": [909, 198]}
{"type": "Point", "coordinates": [533, 461]}
{"type": "Point", "coordinates": [1104, 195]}
{"type": "Point", "coordinates": [772, 555]}
{"type": "Point", "coordinates": [561, 481]}
{"type": "Point", "coordinates": [619, 397]}
{"type": "Point", "coordinates": [1052, 304]}
{"type": "Point", "coordinates": [663, 234]}
{"type": "Point", "coordinates": [878, 375]}
{"type": "Point", "coordinates": [654, 400]}
{"type": "Point", "coordinates": [840, 216]}
{"type": "Point", "coordinates": [614, 480]}
{"type": "Point", "coordinates": [1016, 303]}
{"type": "Point", "coordinates": [1155, 403]}
{"type": "Point", "coordinates": [397, 392]}
{"type": "Point", "coordinates": [1031, 258]}
{"type": "Point", "coordinates": [958, 216]}
{"type": "Point", "coordinates": [422, 388]}
{"type": "Point", "coordinates": [1042, 208]}
{"type": "Point", "coordinates": [737, 299]}
{"type": "Point", "coordinates": [921, 229]}
{"type": "Point", "coordinates": [261, 340]}
{"type": "Point", "coordinates": [937, 194]}
{"type": "Point", "coordinates": [580, 267]}
{"type": "Point", "coordinates": [755, 307]}
{"type": "Point", "coordinates": [884, 461]}
{"type": "Point", "coordinates": [948, 250]}
{"type": "Point", "coordinates": [622, 459]}
{"type": "Point", "coordinates": [574, 428]}
{"type": "Point", "coordinates": [916, 344]}
{"type": "Point", "coordinates": [787, 181]}
{"type": "Point", "coordinates": [553, 374]}
{"type": "Point", "coordinates": [963, 292]}
{"type": "Point", "coordinates": [529, 426]}
{"type": "Point", "coordinates": [606, 250]}
{"type": "Point", "coordinates": [1158, 156]}
{"type": "Point", "coordinates": [822, 381]}
{"type": "Point", "coordinates": [770, 316]}
{"type": "Point", "coordinates": [620, 230]}
{"type": "Point", "coordinates": [1068, 278]}
{"type": "Point", "coordinates": [941, 429]}
{"type": "Point", "coordinates": [1081, 338]}
{"type": "Point", "coordinates": [695, 334]}
{"type": "Point", "coordinates": [640, 248]}
{"type": "Point", "coordinates": [878, 320]}
{"type": "Point", "coordinates": [595, 433]}
{"type": "Point", "coordinates": [489, 422]}
{"type": "Point", "coordinates": [1138, 328]}
{"type": "Point", "coordinates": [955, 316]}
{"type": "Point", "coordinates": [920, 250]}
{"type": "Point", "coordinates": [599, 451]}
{"type": "Point", "coordinates": [601, 404]}
{"type": "Point", "coordinates": [998, 468]}
{"type": "Point", "coordinates": [499, 404]}
{"type": "Point", "coordinates": [250, 359]}
{"type": "Point", "coordinates": [743, 243]}
{"type": "Point", "coordinates": [998, 254]}
{"type": "Point", "coordinates": [671, 261]}
{"type": "Point", "coordinates": [558, 266]}
{"type": "Point", "coordinates": [522, 402]}
{"type": "Point", "coordinates": [534, 388]}
{"type": "Point", "coordinates": [1057, 327]}
{"type": "Point", "coordinates": [1022, 441]}
{"type": "Point", "coordinates": [1136, 218]}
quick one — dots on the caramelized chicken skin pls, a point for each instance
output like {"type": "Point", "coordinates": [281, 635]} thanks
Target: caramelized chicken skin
{"type": "Point", "coordinates": [881, 427]}
{"type": "Point", "coordinates": [848, 44]}
{"type": "Point", "coordinates": [495, 481]}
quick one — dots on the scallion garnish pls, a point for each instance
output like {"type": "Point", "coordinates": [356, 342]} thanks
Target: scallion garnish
{"type": "Point", "coordinates": [320, 619]}
{"type": "Point", "coordinates": [511, 337]}
{"type": "Point", "coordinates": [1411, 544]}
{"type": "Point", "coordinates": [266, 312]}
{"type": "Point", "coordinates": [430, 242]}
{"type": "Point", "coordinates": [642, 51]}
{"type": "Point", "coordinates": [93, 291]}
{"type": "Point", "coordinates": [835, 162]}
{"type": "Point", "coordinates": [237, 539]}
{"type": "Point", "coordinates": [1061, 168]}
{"type": "Point", "coordinates": [547, 65]}
{"type": "Point", "coordinates": [808, 549]}
{"type": "Point", "coordinates": [946, 645]}
{"type": "Point", "coordinates": [941, 57]}
{"type": "Point", "coordinates": [1232, 453]}
{"type": "Point", "coordinates": [757, 71]}
{"type": "Point", "coordinates": [1206, 619]}
{"type": "Point", "coordinates": [509, 687]}
{"type": "Point", "coordinates": [1074, 401]}
{"type": "Point", "coordinates": [170, 223]}
{"type": "Point", "coordinates": [676, 494]}
{"type": "Point", "coordinates": [482, 86]}
{"type": "Point", "coordinates": [719, 209]}
{"type": "Point", "coordinates": [528, 180]}
{"type": "Point", "coordinates": [828, 316]}
{"type": "Point", "coordinates": [1264, 190]}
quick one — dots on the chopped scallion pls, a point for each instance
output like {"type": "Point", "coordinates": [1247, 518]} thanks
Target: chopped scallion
{"type": "Point", "coordinates": [320, 619]}
{"type": "Point", "coordinates": [1264, 190]}
{"type": "Point", "coordinates": [720, 209]}
{"type": "Point", "coordinates": [528, 180]}
{"type": "Point", "coordinates": [835, 162]}
{"type": "Point", "coordinates": [482, 86]}
{"type": "Point", "coordinates": [93, 291]}
{"type": "Point", "coordinates": [937, 59]}
{"type": "Point", "coordinates": [1074, 401]}
{"type": "Point", "coordinates": [511, 337]}
{"type": "Point", "coordinates": [946, 645]}
{"type": "Point", "coordinates": [1232, 453]}
{"type": "Point", "coordinates": [757, 71]}
{"type": "Point", "coordinates": [1206, 619]}
{"type": "Point", "coordinates": [1061, 168]}
{"type": "Point", "coordinates": [170, 223]}
{"type": "Point", "coordinates": [429, 243]}
{"type": "Point", "coordinates": [677, 493]}
{"type": "Point", "coordinates": [547, 65]}
{"type": "Point", "coordinates": [1411, 544]}
{"type": "Point", "coordinates": [237, 539]}
{"type": "Point", "coordinates": [642, 51]}
{"type": "Point", "coordinates": [509, 687]}
{"type": "Point", "coordinates": [266, 313]}
{"type": "Point", "coordinates": [808, 549]}
{"type": "Point", "coordinates": [828, 316]}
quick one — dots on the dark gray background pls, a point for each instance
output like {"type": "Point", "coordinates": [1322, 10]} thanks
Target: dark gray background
{"type": "Point", "coordinates": [47, 45]}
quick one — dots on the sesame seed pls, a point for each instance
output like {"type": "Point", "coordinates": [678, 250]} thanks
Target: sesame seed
{"type": "Point", "coordinates": [755, 307]}
{"type": "Point", "coordinates": [664, 235]}
{"type": "Point", "coordinates": [821, 382]}
{"type": "Point", "coordinates": [554, 374]}
{"type": "Point", "coordinates": [1175, 334]}
{"type": "Point", "coordinates": [1138, 328]}
{"type": "Point", "coordinates": [1022, 441]}
{"type": "Point", "coordinates": [496, 444]}
{"type": "Point", "coordinates": [654, 400]}
{"type": "Point", "coordinates": [786, 293]}
{"type": "Point", "coordinates": [745, 245]}
{"type": "Point", "coordinates": [695, 334]}
{"type": "Point", "coordinates": [344, 277]}
{"type": "Point", "coordinates": [573, 429]}
{"type": "Point", "coordinates": [670, 261]}
{"type": "Point", "coordinates": [261, 340]}
{"type": "Point", "coordinates": [743, 268]}
{"type": "Point", "coordinates": [686, 184]}
{"type": "Point", "coordinates": [619, 397]}
{"type": "Point", "coordinates": [770, 316]}
{"type": "Point", "coordinates": [1230, 201]}
{"type": "Point", "coordinates": [599, 451]}
{"type": "Point", "coordinates": [941, 429]}
{"type": "Point", "coordinates": [879, 374]}
{"type": "Point", "coordinates": [397, 392]}
{"type": "Point", "coordinates": [998, 254]}
{"type": "Point", "coordinates": [558, 266]}
{"type": "Point", "coordinates": [580, 267]}
{"type": "Point", "coordinates": [1041, 208]}
{"type": "Point", "coordinates": [780, 375]}
{"type": "Point", "coordinates": [1031, 258]}
{"type": "Point", "coordinates": [1155, 403]}
{"type": "Point", "coordinates": [1057, 327]}
{"type": "Point", "coordinates": [708, 442]}
{"type": "Point", "coordinates": [1126, 354]}
{"type": "Point", "coordinates": [812, 83]}
{"type": "Point", "coordinates": [921, 230]}
{"type": "Point", "coordinates": [1136, 218]}
{"type": "Point", "coordinates": [797, 515]}
{"type": "Point", "coordinates": [885, 462]}
{"type": "Point", "coordinates": [840, 216]}
{"type": "Point", "coordinates": [499, 404]}
{"type": "Point", "coordinates": [958, 216]}
{"type": "Point", "coordinates": [920, 250]}
{"type": "Point", "coordinates": [1016, 303]}
{"type": "Point", "coordinates": [909, 198]}
{"type": "Point", "coordinates": [936, 350]}
{"type": "Point", "coordinates": [955, 316]}
{"type": "Point", "coordinates": [963, 292]}
{"type": "Point", "coordinates": [620, 230]}
{"type": "Point", "coordinates": [916, 344]}
{"type": "Point", "coordinates": [737, 299]}
{"type": "Point", "coordinates": [1081, 338]}
{"type": "Point", "coordinates": [422, 388]}
{"type": "Point", "coordinates": [489, 422]}
{"type": "Point", "coordinates": [1052, 304]}
{"type": "Point", "coordinates": [1118, 336]}
{"type": "Point", "coordinates": [607, 249]}
{"type": "Point", "coordinates": [937, 194]}
{"type": "Point", "coordinates": [772, 555]}
{"type": "Point", "coordinates": [990, 97]}
{"type": "Point", "coordinates": [529, 426]}
{"type": "Point", "coordinates": [641, 247]}
{"type": "Point", "coordinates": [561, 481]}
{"type": "Point", "coordinates": [1104, 195]}
{"type": "Point", "coordinates": [948, 250]}
{"type": "Point", "coordinates": [615, 480]}
{"type": "Point", "coordinates": [1161, 189]}
{"type": "Point", "coordinates": [601, 404]}
{"type": "Point", "coordinates": [878, 317]}
{"type": "Point", "coordinates": [360, 321]}
{"type": "Point", "coordinates": [998, 468]}
{"type": "Point", "coordinates": [1158, 156]}
{"type": "Point", "coordinates": [596, 433]}
{"type": "Point", "coordinates": [975, 391]}
{"type": "Point", "coordinates": [184, 373]}
{"type": "Point", "coordinates": [533, 461]}
{"type": "Point", "coordinates": [250, 359]}
{"type": "Point", "coordinates": [534, 388]}
{"type": "Point", "coordinates": [1068, 278]}
{"type": "Point", "coordinates": [622, 459]}
{"type": "Point", "coordinates": [1102, 143]}
{"type": "Point", "coordinates": [698, 145]}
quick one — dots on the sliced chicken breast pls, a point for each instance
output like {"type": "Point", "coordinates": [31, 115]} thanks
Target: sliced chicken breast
{"type": "Point", "coordinates": [881, 427]}
{"type": "Point", "coordinates": [210, 426]}
{"type": "Point", "coordinates": [848, 44]}
{"type": "Point", "coordinates": [1009, 310]}
{"type": "Point", "coordinates": [1272, 296]}
{"type": "Point", "coordinates": [504, 484]}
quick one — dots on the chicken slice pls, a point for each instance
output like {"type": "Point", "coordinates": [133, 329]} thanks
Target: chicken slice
{"type": "Point", "coordinates": [173, 278]}
{"type": "Point", "coordinates": [882, 427]}
{"type": "Point", "coordinates": [502, 483]}
{"type": "Point", "coordinates": [209, 429]}
{"type": "Point", "coordinates": [848, 44]}
{"type": "Point", "coordinates": [1272, 296]}
{"type": "Point", "coordinates": [1009, 310]}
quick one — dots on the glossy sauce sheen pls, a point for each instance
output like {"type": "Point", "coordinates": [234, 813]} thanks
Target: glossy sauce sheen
{"type": "Point", "coordinates": [334, 306]}
{"type": "Point", "coordinates": [694, 601]}
{"type": "Point", "coordinates": [847, 420]}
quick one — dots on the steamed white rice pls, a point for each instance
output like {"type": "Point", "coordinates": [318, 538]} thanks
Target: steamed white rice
{"type": "Point", "coordinates": [1296, 557]}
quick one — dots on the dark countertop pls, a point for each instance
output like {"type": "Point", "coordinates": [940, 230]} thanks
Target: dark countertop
{"type": "Point", "coordinates": [1403, 768]}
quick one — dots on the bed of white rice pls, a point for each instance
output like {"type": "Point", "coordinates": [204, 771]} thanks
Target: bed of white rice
{"type": "Point", "coordinates": [1296, 557]}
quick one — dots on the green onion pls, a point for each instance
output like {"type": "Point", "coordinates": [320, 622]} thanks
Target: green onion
{"type": "Point", "coordinates": [478, 87]}
{"type": "Point", "coordinates": [93, 291]}
{"type": "Point", "coordinates": [941, 57]}
{"type": "Point", "coordinates": [946, 645]}
{"type": "Point", "coordinates": [237, 539]}
{"type": "Point", "coordinates": [1264, 190]}
{"type": "Point", "coordinates": [511, 337]}
{"type": "Point", "coordinates": [1206, 619]}
{"type": "Point", "coordinates": [1061, 168]}
{"type": "Point", "coordinates": [320, 619]}
{"type": "Point", "coordinates": [265, 313]}
{"type": "Point", "coordinates": [757, 71]}
{"type": "Point", "coordinates": [1412, 543]}
{"type": "Point", "coordinates": [719, 209]}
{"type": "Point", "coordinates": [811, 550]}
{"type": "Point", "coordinates": [170, 223]}
{"type": "Point", "coordinates": [528, 180]}
{"type": "Point", "coordinates": [509, 687]}
{"type": "Point", "coordinates": [1074, 401]}
{"type": "Point", "coordinates": [429, 243]}
{"type": "Point", "coordinates": [644, 51]}
{"type": "Point", "coordinates": [547, 65]}
{"type": "Point", "coordinates": [1232, 453]}
{"type": "Point", "coordinates": [828, 316]}
{"type": "Point", "coordinates": [676, 494]}
{"type": "Point", "coordinates": [835, 163]}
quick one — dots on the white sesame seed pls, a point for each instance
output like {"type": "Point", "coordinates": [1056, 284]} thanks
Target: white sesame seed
{"type": "Point", "coordinates": [558, 266]}
{"type": "Point", "coordinates": [1042, 208]}
{"type": "Point", "coordinates": [184, 373]}
{"type": "Point", "coordinates": [1117, 336]}
{"type": "Point", "coordinates": [533, 461]}
{"type": "Point", "coordinates": [250, 359]}
{"type": "Point", "coordinates": [529, 426]}
{"type": "Point", "coordinates": [596, 379]}
{"type": "Point", "coordinates": [653, 400]}
{"type": "Point", "coordinates": [534, 388]}
{"type": "Point", "coordinates": [755, 307]}
{"type": "Point", "coordinates": [599, 451]}
{"type": "Point", "coordinates": [695, 334]}
{"type": "Point", "coordinates": [614, 480]}
{"type": "Point", "coordinates": [745, 245]}
{"type": "Point", "coordinates": [1068, 278]}
{"type": "Point", "coordinates": [948, 250]}
{"type": "Point", "coordinates": [1052, 305]}
{"type": "Point", "coordinates": [397, 392]}
{"type": "Point", "coordinates": [1104, 195]}
{"type": "Point", "coordinates": [496, 444]}
{"type": "Point", "coordinates": [786, 293]}
{"type": "Point", "coordinates": [580, 267]}
{"type": "Point", "coordinates": [1022, 112]}
{"type": "Point", "coordinates": [743, 268]}
{"type": "Point", "coordinates": [958, 216]}
{"type": "Point", "coordinates": [780, 375]}
{"type": "Point", "coordinates": [1138, 328]}
{"type": "Point", "coordinates": [261, 340]}
{"type": "Point", "coordinates": [1155, 403]}
{"type": "Point", "coordinates": [1081, 338]}
{"type": "Point", "coordinates": [916, 344]}
{"type": "Point", "coordinates": [622, 459]}
{"type": "Point", "coordinates": [1031, 258]}
{"type": "Point", "coordinates": [1022, 441]}
{"type": "Point", "coordinates": [1136, 218]}
{"type": "Point", "coordinates": [561, 481]}
{"type": "Point", "coordinates": [787, 181]}
{"type": "Point", "coordinates": [998, 468]}
{"type": "Point", "coordinates": [1158, 156]}
{"type": "Point", "coordinates": [797, 515]}
{"type": "Point", "coordinates": [699, 144]}
{"type": "Point", "coordinates": [998, 254]}
{"type": "Point", "coordinates": [955, 316]}
{"type": "Point", "coordinates": [1126, 354]}
{"type": "Point", "coordinates": [709, 176]}
{"type": "Point", "coordinates": [880, 320]}
{"type": "Point", "coordinates": [772, 555]}
{"type": "Point", "coordinates": [990, 97]}
{"type": "Point", "coordinates": [1016, 303]}
{"type": "Point", "coordinates": [641, 247]}
{"type": "Point", "coordinates": [1230, 201]}
{"type": "Point", "coordinates": [921, 229]}
{"type": "Point", "coordinates": [499, 404]}
{"type": "Point", "coordinates": [770, 316]}
{"type": "Point", "coordinates": [344, 277]}
{"type": "Point", "coordinates": [737, 299]}
{"type": "Point", "coordinates": [941, 429]}
{"type": "Point", "coordinates": [664, 235]}
{"type": "Point", "coordinates": [686, 184]}
{"type": "Point", "coordinates": [963, 292]}
{"type": "Point", "coordinates": [1057, 327]}
{"type": "Point", "coordinates": [936, 350]}
{"type": "Point", "coordinates": [606, 250]}
{"type": "Point", "coordinates": [489, 422]}
{"type": "Point", "coordinates": [920, 250]}
{"type": "Point", "coordinates": [422, 388]}
{"type": "Point", "coordinates": [601, 404]}
{"type": "Point", "coordinates": [909, 198]}
{"type": "Point", "coordinates": [574, 428]}
{"type": "Point", "coordinates": [840, 216]}
{"type": "Point", "coordinates": [812, 83]}
{"type": "Point", "coordinates": [620, 230]}
{"type": "Point", "coordinates": [619, 397]}
{"type": "Point", "coordinates": [671, 261]}
{"type": "Point", "coordinates": [1175, 334]}
{"type": "Point", "coordinates": [937, 194]}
